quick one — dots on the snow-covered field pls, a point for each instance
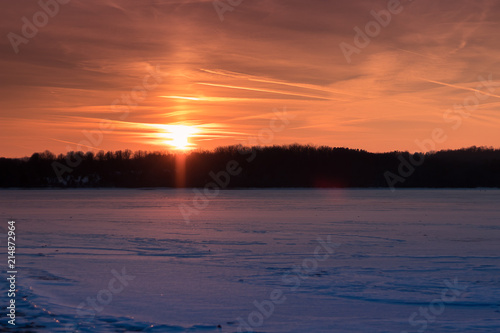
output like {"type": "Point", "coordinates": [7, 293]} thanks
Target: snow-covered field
{"type": "Point", "coordinates": [254, 260]}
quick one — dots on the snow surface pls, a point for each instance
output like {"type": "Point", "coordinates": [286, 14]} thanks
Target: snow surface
{"type": "Point", "coordinates": [395, 254]}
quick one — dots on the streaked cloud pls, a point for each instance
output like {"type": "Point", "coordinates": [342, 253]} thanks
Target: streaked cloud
{"type": "Point", "coordinates": [229, 76]}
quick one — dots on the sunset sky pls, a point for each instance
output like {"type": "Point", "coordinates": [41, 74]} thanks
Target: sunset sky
{"type": "Point", "coordinates": [66, 87]}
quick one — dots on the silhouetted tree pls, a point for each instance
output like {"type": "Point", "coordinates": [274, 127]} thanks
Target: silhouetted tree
{"type": "Point", "coordinates": [275, 166]}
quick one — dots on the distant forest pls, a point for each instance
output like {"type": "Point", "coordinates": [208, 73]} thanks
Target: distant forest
{"type": "Point", "coordinates": [256, 167]}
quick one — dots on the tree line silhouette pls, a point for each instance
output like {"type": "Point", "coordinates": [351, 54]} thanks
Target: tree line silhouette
{"type": "Point", "coordinates": [273, 166]}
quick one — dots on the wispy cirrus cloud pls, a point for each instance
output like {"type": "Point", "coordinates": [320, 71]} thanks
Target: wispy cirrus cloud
{"type": "Point", "coordinates": [266, 54]}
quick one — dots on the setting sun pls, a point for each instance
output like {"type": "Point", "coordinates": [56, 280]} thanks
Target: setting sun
{"type": "Point", "coordinates": [179, 135]}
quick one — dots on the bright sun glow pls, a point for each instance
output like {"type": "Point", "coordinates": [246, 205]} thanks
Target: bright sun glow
{"type": "Point", "coordinates": [179, 135]}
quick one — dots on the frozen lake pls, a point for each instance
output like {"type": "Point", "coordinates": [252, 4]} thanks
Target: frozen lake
{"type": "Point", "coordinates": [255, 260]}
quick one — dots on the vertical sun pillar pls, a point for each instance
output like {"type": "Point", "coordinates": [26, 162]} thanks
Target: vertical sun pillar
{"type": "Point", "coordinates": [180, 170]}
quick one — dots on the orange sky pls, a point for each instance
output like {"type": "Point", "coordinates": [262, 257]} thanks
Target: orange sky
{"type": "Point", "coordinates": [67, 85]}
